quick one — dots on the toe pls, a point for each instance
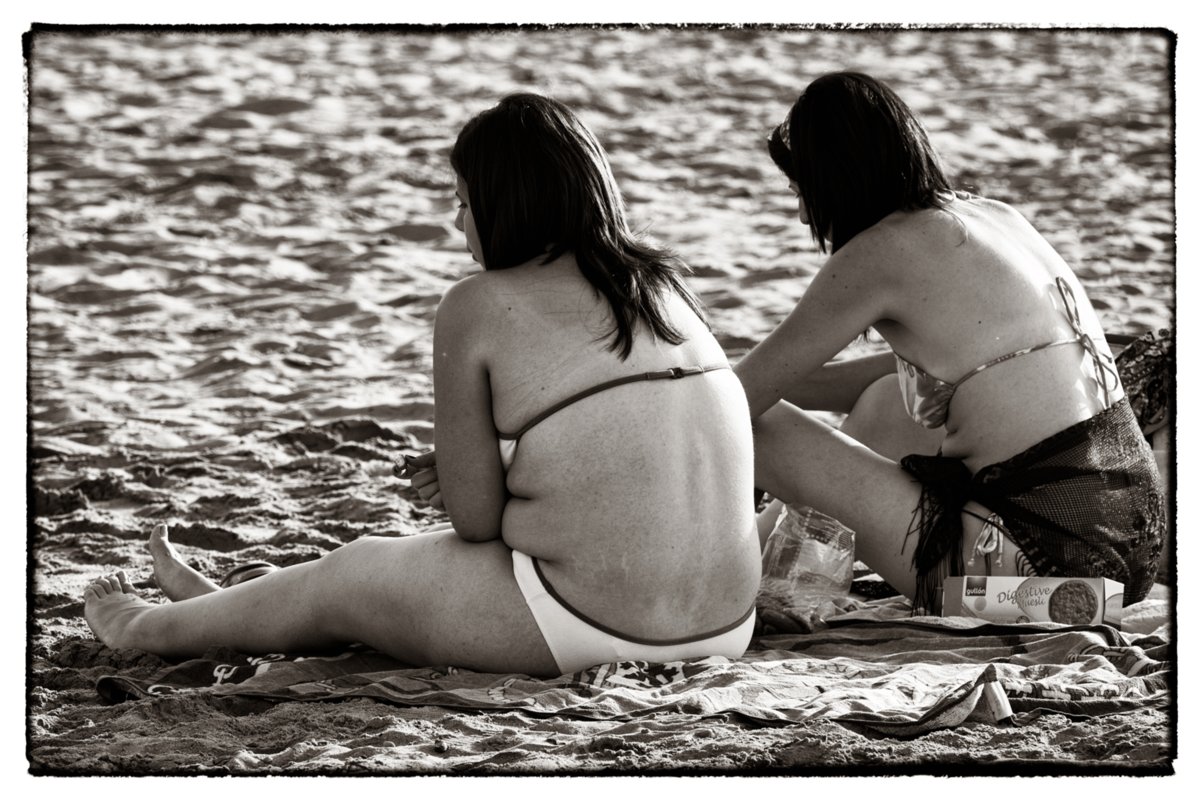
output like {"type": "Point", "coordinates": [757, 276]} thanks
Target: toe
{"type": "Point", "coordinates": [123, 581]}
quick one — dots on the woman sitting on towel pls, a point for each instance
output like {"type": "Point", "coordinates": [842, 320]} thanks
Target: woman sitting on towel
{"type": "Point", "coordinates": [593, 455]}
{"type": "Point", "coordinates": [995, 436]}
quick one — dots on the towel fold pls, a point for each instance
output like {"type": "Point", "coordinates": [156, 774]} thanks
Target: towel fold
{"type": "Point", "coordinates": [871, 667]}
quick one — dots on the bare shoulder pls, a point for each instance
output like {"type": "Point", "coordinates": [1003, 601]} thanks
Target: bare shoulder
{"type": "Point", "coordinates": [466, 315]}
{"type": "Point", "coordinates": [992, 214]}
{"type": "Point", "coordinates": [991, 205]}
{"type": "Point", "coordinates": [470, 298]}
{"type": "Point", "coordinates": [468, 291]}
{"type": "Point", "coordinates": [920, 237]}
{"type": "Point", "coordinates": [901, 240]}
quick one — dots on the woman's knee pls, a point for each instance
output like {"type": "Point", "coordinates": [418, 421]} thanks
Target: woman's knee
{"type": "Point", "coordinates": [874, 411]}
{"type": "Point", "coordinates": [880, 422]}
{"type": "Point", "coordinates": [345, 583]}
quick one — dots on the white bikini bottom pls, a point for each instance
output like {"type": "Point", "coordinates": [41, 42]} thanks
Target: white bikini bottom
{"type": "Point", "coordinates": [578, 642]}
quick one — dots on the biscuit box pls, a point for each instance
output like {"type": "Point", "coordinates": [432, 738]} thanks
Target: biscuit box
{"type": "Point", "coordinates": [1017, 599]}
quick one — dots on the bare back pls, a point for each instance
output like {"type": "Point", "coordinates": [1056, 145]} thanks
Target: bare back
{"type": "Point", "coordinates": [983, 287]}
{"type": "Point", "coordinates": [637, 500]}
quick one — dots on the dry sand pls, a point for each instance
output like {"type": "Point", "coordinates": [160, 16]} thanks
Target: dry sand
{"type": "Point", "coordinates": [236, 247]}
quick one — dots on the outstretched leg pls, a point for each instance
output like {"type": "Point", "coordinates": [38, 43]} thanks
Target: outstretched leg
{"type": "Point", "coordinates": [112, 607]}
{"type": "Point", "coordinates": [426, 599]}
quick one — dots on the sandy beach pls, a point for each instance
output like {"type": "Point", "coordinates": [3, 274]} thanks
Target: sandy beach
{"type": "Point", "coordinates": [237, 243]}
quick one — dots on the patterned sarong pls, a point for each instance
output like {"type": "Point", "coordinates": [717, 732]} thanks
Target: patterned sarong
{"type": "Point", "coordinates": [1086, 502]}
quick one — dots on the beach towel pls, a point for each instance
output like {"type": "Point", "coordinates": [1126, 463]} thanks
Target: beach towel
{"type": "Point", "coordinates": [870, 665]}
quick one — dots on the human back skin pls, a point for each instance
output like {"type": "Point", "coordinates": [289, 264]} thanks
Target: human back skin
{"type": "Point", "coordinates": [638, 500]}
{"type": "Point", "coordinates": [996, 296]}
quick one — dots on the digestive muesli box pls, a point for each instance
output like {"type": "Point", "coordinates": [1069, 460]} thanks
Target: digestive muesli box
{"type": "Point", "coordinates": [1016, 599]}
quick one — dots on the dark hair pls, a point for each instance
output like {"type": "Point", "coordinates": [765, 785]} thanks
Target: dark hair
{"type": "Point", "coordinates": [857, 153]}
{"type": "Point", "coordinates": [539, 185]}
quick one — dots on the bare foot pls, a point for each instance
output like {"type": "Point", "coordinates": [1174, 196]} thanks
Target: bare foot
{"type": "Point", "coordinates": [175, 577]}
{"type": "Point", "coordinates": [110, 607]}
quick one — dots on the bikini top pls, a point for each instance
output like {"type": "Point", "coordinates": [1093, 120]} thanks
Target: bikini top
{"type": "Point", "coordinates": [927, 398]}
{"type": "Point", "coordinates": [669, 373]}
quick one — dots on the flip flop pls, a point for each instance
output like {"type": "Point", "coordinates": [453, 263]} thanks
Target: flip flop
{"type": "Point", "coordinates": [246, 572]}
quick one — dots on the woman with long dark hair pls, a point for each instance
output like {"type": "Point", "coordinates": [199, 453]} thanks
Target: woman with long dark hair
{"type": "Point", "coordinates": [593, 455]}
{"type": "Point", "coordinates": [995, 436]}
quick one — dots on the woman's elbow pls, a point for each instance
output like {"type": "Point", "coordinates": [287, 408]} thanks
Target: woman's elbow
{"type": "Point", "coordinates": [475, 510]}
{"type": "Point", "coordinates": [475, 525]}
{"type": "Point", "coordinates": [476, 533]}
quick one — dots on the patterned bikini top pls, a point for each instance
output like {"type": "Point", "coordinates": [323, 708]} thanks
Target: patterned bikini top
{"type": "Point", "coordinates": [927, 398]}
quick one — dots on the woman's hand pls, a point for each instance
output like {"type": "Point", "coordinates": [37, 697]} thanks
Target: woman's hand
{"type": "Point", "coordinates": [421, 470]}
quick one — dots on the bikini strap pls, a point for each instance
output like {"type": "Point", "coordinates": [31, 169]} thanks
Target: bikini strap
{"type": "Point", "coordinates": [1011, 355]}
{"type": "Point", "coordinates": [553, 593]}
{"type": "Point", "coordinates": [668, 373]}
{"type": "Point", "coordinates": [1104, 370]}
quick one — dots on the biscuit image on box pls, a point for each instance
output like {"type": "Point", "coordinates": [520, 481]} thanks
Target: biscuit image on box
{"type": "Point", "coordinates": [1064, 600]}
{"type": "Point", "coordinates": [1073, 603]}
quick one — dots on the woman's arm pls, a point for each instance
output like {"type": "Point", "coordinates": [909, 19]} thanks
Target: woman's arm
{"type": "Point", "coordinates": [851, 292]}
{"type": "Point", "coordinates": [469, 471]}
{"type": "Point", "coordinates": [836, 386]}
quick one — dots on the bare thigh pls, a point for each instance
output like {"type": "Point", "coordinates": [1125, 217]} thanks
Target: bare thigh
{"type": "Point", "coordinates": [880, 421]}
{"type": "Point", "coordinates": [429, 599]}
{"type": "Point", "coordinates": [801, 460]}
{"type": "Point", "coordinates": [435, 599]}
